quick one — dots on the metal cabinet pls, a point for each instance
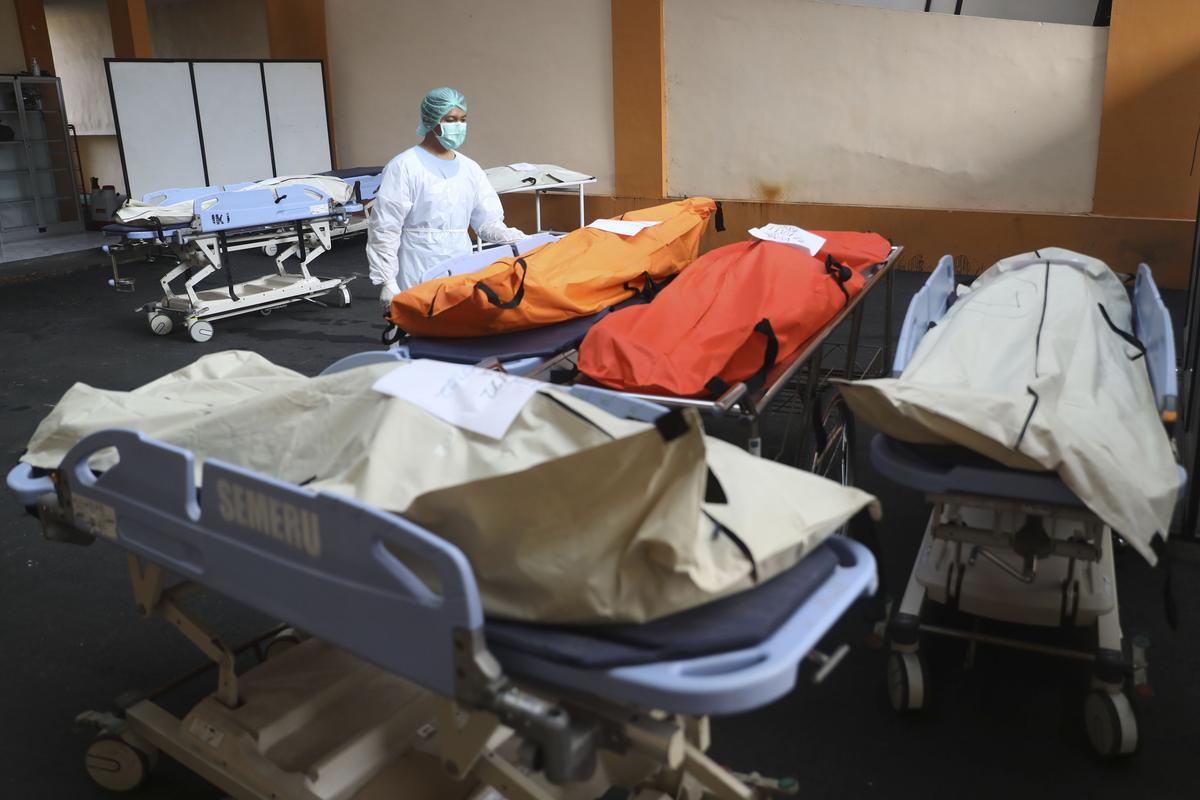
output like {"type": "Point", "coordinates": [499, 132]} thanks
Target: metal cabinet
{"type": "Point", "coordinates": [38, 195]}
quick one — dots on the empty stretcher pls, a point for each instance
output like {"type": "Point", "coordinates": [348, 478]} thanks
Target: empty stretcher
{"type": "Point", "coordinates": [407, 687]}
{"type": "Point", "coordinates": [200, 227]}
{"type": "Point", "coordinates": [538, 180]}
{"type": "Point", "coordinates": [1032, 410]}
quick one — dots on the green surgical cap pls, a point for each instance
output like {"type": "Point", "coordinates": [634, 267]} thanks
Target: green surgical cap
{"type": "Point", "coordinates": [437, 104]}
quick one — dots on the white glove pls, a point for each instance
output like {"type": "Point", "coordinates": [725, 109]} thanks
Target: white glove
{"type": "Point", "coordinates": [386, 292]}
{"type": "Point", "coordinates": [497, 233]}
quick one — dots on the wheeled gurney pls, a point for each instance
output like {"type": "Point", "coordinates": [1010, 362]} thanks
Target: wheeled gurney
{"type": "Point", "coordinates": [298, 219]}
{"type": "Point", "coordinates": [984, 514]}
{"type": "Point", "coordinates": [538, 179]}
{"type": "Point", "coordinates": [794, 385]}
{"type": "Point", "coordinates": [405, 688]}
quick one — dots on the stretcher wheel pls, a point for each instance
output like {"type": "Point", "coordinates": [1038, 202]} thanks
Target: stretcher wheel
{"type": "Point", "coordinates": [162, 324]}
{"type": "Point", "coordinates": [266, 312]}
{"type": "Point", "coordinates": [339, 297]}
{"type": "Point", "coordinates": [116, 765]}
{"type": "Point", "coordinates": [1111, 723]}
{"type": "Point", "coordinates": [907, 681]}
{"type": "Point", "coordinates": [270, 250]}
{"type": "Point", "coordinates": [200, 331]}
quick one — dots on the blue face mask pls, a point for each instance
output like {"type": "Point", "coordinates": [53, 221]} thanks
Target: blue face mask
{"type": "Point", "coordinates": [453, 134]}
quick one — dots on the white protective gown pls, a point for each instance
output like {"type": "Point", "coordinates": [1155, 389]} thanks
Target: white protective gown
{"type": "Point", "coordinates": [421, 214]}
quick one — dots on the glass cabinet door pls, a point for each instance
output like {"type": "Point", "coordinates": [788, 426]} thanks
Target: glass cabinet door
{"type": "Point", "coordinates": [37, 179]}
{"type": "Point", "coordinates": [18, 204]}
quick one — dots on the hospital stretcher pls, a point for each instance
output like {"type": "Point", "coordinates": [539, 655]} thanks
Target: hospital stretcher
{"type": "Point", "coordinates": [1014, 545]}
{"type": "Point", "coordinates": [405, 688]}
{"type": "Point", "coordinates": [794, 386]}
{"type": "Point", "coordinates": [538, 180]}
{"type": "Point", "coordinates": [298, 221]}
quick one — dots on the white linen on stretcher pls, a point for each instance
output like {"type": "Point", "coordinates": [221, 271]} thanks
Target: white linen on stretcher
{"type": "Point", "coordinates": [1025, 370]}
{"type": "Point", "coordinates": [575, 516]}
{"type": "Point", "coordinates": [528, 176]}
{"type": "Point", "coordinates": [155, 205]}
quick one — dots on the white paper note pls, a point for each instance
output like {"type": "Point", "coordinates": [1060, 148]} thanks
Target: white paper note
{"type": "Point", "coordinates": [621, 227]}
{"type": "Point", "coordinates": [479, 400]}
{"type": "Point", "coordinates": [789, 235]}
{"type": "Point", "coordinates": [521, 166]}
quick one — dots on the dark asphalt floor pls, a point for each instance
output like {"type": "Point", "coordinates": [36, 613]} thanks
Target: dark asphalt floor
{"type": "Point", "coordinates": [71, 640]}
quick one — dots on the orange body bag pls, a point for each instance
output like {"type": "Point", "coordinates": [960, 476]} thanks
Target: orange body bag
{"type": "Point", "coordinates": [585, 272]}
{"type": "Point", "coordinates": [734, 314]}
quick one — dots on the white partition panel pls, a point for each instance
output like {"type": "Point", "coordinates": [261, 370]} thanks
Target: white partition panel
{"type": "Point", "coordinates": [210, 123]}
{"type": "Point", "coordinates": [156, 121]}
{"type": "Point", "coordinates": [233, 119]}
{"type": "Point", "coordinates": [299, 127]}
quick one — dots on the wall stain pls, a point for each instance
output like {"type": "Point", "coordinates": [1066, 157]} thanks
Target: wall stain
{"type": "Point", "coordinates": [769, 192]}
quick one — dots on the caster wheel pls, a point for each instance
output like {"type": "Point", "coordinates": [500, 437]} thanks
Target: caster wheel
{"type": "Point", "coordinates": [116, 765]}
{"type": "Point", "coordinates": [339, 297]}
{"type": "Point", "coordinates": [162, 324]}
{"type": "Point", "coordinates": [200, 331]}
{"type": "Point", "coordinates": [1111, 723]}
{"type": "Point", "coordinates": [266, 312]}
{"type": "Point", "coordinates": [271, 250]}
{"type": "Point", "coordinates": [907, 681]}
{"type": "Point", "coordinates": [282, 642]}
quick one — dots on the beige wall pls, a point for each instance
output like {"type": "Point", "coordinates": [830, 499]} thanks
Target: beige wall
{"type": "Point", "coordinates": [208, 28]}
{"type": "Point", "coordinates": [101, 159]}
{"type": "Point", "coordinates": [81, 38]}
{"type": "Point", "coordinates": [537, 75]}
{"type": "Point", "coordinates": [816, 102]}
{"type": "Point", "coordinates": [12, 55]}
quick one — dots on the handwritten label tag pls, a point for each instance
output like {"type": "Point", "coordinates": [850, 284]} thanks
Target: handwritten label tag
{"type": "Point", "coordinates": [479, 400]}
{"type": "Point", "coordinates": [622, 227]}
{"type": "Point", "coordinates": [789, 235]}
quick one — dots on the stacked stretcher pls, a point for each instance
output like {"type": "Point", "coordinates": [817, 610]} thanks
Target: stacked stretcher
{"type": "Point", "coordinates": [200, 227]}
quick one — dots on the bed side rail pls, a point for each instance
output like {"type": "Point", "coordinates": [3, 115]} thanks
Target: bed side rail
{"type": "Point", "coordinates": [328, 565]}
{"type": "Point", "coordinates": [927, 307]}
{"type": "Point", "coordinates": [218, 211]}
{"type": "Point", "coordinates": [1152, 325]}
{"type": "Point", "coordinates": [166, 197]}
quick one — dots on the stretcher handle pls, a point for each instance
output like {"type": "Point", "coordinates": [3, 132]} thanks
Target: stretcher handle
{"type": "Point", "coordinates": [731, 397]}
{"type": "Point", "coordinates": [27, 488]}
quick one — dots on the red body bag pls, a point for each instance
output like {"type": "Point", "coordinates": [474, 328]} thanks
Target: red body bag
{"type": "Point", "coordinates": [731, 316]}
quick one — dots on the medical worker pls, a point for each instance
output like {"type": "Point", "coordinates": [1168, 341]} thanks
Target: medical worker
{"type": "Point", "coordinates": [429, 195]}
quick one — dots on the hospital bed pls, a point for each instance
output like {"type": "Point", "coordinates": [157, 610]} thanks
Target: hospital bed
{"type": "Point", "coordinates": [298, 221]}
{"type": "Point", "coordinates": [401, 687]}
{"type": "Point", "coordinates": [985, 514]}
